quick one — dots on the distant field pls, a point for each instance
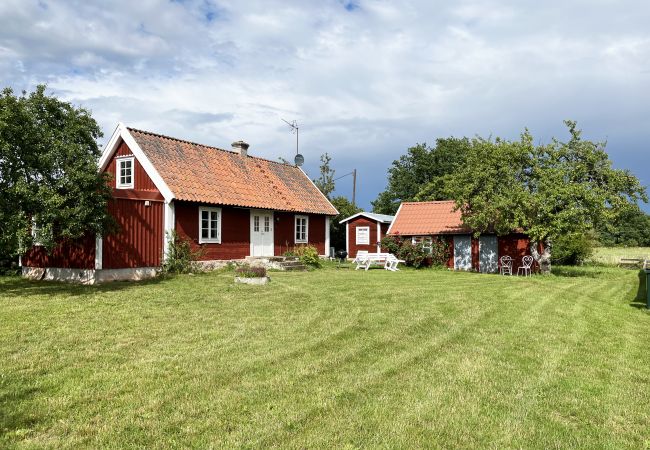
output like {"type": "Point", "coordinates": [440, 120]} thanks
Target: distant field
{"type": "Point", "coordinates": [612, 255]}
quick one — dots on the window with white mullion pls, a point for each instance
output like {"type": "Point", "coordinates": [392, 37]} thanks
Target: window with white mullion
{"type": "Point", "coordinates": [124, 173]}
{"type": "Point", "coordinates": [209, 225]}
{"type": "Point", "coordinates": [301, 229]}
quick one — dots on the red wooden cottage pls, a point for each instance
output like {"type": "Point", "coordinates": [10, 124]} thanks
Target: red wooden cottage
{"type": "Point", "coordinates": [422, 221]}
{"type": "Point", "coordinates": [364, 231]}
{"type": "Point", "coordinates": [227, 203]}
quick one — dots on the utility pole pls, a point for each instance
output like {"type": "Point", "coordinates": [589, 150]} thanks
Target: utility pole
{"type": "Point", "coordinates": [354, 187]}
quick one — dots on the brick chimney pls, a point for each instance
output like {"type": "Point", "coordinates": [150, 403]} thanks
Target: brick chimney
{"type": "Point", "coordinates": [240, 147]}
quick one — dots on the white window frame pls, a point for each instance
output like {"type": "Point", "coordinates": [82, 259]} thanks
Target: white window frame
{"type": "Point", "coordinates": [426, 241]}
{"type": "Point", "coordinates": [37, 233]}
{"type": "Point", "coordinates": [209, 240]}
{"type": "Point", "coordinates": [118, 172]}
{"type": "Point", "coordinates": [295, 229]}
{"type": "Point", "coordinates": [356, 237]}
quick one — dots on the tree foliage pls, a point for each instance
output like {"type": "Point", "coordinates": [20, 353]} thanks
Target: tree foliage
{"type": "Point", "coordinates": [630, 228]}
{"type": "Point", "coordinates": [48, 171]}
{"type": "Point", "coordinates": [420, 174]}
{"type": "Point", "coordinates": [547, 191]}
{"type": "Point", "coordinates": [337, 230]}
{"type": "Point", "coordinates": [325, 181]}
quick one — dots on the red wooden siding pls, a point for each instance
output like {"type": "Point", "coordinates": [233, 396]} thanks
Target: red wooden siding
{"type": "Point", "coordinates": [361, 221]}
{"type": "Point", "coordinates": [139, 241]}
{"type": "Point", "coordinates": [235, 231]}
{"type": "Point", "coordinates": [284, 233]}
{"type": "Point", "coordinates": [516, 246]}
{"type": "Point", "coordinates": [143, 186]}
{"type": "Point", "coordinates": [78, 254]}
{"type": "Point", "coordinates": [317, 232]}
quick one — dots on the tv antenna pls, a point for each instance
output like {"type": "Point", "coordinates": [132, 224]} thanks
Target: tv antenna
{"type": "Point", "coordinates": [299, 159]}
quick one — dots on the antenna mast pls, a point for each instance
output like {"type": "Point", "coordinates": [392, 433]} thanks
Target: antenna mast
{"type": "Point", "coordinates": [299, 160]}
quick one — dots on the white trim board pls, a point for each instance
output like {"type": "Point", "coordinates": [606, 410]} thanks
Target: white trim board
{"type": "Point", "coordinates": [395, 219]}
{"type": "Point", "coordinates": [122, 132]}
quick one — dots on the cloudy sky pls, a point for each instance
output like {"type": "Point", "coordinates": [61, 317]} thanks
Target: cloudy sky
{"type": "Point", "coordinates": [365, 79]}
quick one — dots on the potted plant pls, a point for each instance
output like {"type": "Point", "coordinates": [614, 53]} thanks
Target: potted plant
{"type": "Point", "coordinates": [251, 275]}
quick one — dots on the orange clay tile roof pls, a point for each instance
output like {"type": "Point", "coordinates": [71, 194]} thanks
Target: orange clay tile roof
{"type": "Point", "coordinates": [427, 218]}
{"type": "Point", "coordinates": [199, 173]}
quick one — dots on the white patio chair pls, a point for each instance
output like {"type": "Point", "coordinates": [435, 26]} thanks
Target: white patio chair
{"type": "Point", "coordinates": [361, 260]}
{"type": "Point", "coordinates": [392, 262]}
{"type": "Point", "coordinates": [506, 265]}
{"type": "Point", "coordinates": [527, 263]}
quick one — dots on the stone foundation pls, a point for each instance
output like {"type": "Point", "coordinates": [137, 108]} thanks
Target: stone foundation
{"type": "Point", "coordinates": [89, 276]}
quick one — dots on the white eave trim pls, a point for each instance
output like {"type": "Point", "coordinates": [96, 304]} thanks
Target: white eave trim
{"type": "Point", "coordinates": [390, 228]}
{"type": "Point", "coordinates": [319, 191]}
{"type": "Point", "coordinates": [122, 132]}
{"type": "Point", "coordinates": [365, 214]}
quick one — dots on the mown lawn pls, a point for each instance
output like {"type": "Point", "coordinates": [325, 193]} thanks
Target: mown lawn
{"type": "Point", "coordinates": [331, 358]}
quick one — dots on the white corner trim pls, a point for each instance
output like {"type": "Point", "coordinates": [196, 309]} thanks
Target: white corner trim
{"type": "Point", "coordinates": [378, 237]}
{"type": "Point", "coordinates": [347, 238]}
{"type": "Point", "coordinates": [169, 218]}
{"type": "Point", "coordinates": [122, 132]}
{"type": "Point", "coordinates": [319, 191]}
{"type": "Point", "coordinates": [395, 219]}
{"type": "Point", "coordinates": [99, 256]}
{"type": "Point", "coordinates": [327, 236]}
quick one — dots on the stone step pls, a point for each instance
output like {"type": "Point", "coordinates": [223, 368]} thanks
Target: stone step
{"type": "Point", "coordinates": [295, 268]}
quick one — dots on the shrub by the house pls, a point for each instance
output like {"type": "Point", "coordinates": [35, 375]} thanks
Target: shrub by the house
{"type": "Point", "coordinates": [418, 255]}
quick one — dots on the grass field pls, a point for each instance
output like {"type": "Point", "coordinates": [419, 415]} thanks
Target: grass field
{"type": "Point", "coordinates": [613, 255]}
{"type": "Point", "coordinates": [330, 358]}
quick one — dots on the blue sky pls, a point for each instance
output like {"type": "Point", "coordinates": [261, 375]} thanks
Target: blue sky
{"type": "Point", "coordinates": [364, 79]}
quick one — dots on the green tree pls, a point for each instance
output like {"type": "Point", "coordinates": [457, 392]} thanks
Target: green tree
{"type": "Point", "coordinates": [420, 174]}
{"type": "Point", "coordinates": [630, 228]}
{"type": "Point", "coordinates": [547, 191]}
{"type": "Point", "coordinates": [325, 182]}
{"type": "Point", "coordinates": [48, 171]}
{"type": "Point", "coordinates": [337, 230]}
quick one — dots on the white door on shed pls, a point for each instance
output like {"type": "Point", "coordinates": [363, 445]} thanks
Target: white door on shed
{"type": "Point", "coordinates": [488, 250]}
{"type": "Point", "coordinates": [462, 253]}
{"type": "Point", "coordinates": [261, 233]}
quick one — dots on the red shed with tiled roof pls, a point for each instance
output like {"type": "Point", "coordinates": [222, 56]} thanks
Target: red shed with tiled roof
{"type": "Point", "coordinates": [424, 221]}
{"type": "Point", "coordinates": [228, 204]}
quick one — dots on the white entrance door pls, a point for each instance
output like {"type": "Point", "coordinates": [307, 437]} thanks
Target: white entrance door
{"type": "Point", "coordinates": [488, 250]}
{"type": "Point", "coordinates": [261, 233]}
{"type": "Point", "coordinates": [462, 252]}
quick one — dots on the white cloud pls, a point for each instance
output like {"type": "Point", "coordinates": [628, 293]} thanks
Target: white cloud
{"type": "Point", "coordinates": [365, 82]}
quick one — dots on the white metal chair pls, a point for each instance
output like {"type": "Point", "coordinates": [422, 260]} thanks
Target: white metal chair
{"type": "Point", "coordinates": [527, 263]}
{"type": "Point", "coordinates": [506, 265]}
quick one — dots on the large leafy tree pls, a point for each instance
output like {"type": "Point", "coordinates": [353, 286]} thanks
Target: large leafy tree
{"type": "Point", "coordinates": [420, 173]}
{"type": "Point", "coordinates": [631, 228]}
{"type": "Point", "coordinates": [547, 191]}
{"type": "Point", "coordinates": [337, 230]}
{"type": "Point", "coordinates": [48, 171]}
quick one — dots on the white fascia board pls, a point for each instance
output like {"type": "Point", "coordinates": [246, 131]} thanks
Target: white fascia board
{"type": "Point", "coordinates": [122, 132]}
{"type": "Point", "coordinates": [319, 191]}
{"type": "Point", "coordinates": [395, 219]}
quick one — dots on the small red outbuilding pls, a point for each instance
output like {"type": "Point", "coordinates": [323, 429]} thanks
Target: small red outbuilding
{"type": "Point", "coordinates": [422, 221]}
{"type": "Point", "coordinates": [364, 231]}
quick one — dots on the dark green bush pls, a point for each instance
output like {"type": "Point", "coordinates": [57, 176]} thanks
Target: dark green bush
{"type": "Point", "coordinates": [417, 255]}
{"type": "Point", "coordinates": [573, 249]}
{"type": "Point", "coordinates": [181, 258]}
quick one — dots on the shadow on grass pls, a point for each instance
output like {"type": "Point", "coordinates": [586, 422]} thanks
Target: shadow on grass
{"type": "Point", "coordinates": [15, 422]}
{"type": "Point", "coordinates": [16, 286]}
{"type": "Point", "coordinates": [571, 271]}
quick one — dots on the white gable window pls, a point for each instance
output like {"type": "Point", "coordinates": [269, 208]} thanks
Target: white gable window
{"type": "Point", "coordinates": [37, 232]}
{"type": "Point", "coordinates": [209, 225]}
{"type": "Point", "coordinates": [124, 173]}
{"type": "Point", "coordinates": [302, 229]}
{"type": "Point", "coordinates": [363, 235]}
